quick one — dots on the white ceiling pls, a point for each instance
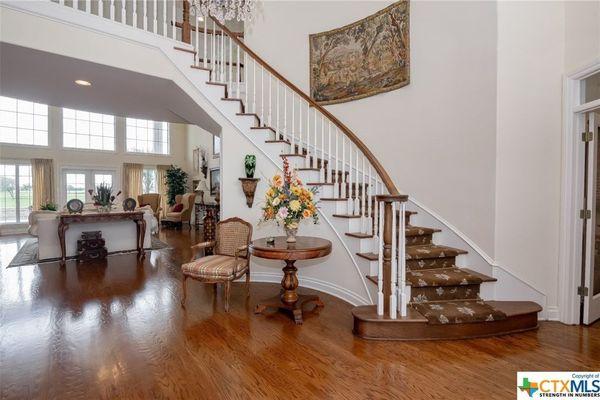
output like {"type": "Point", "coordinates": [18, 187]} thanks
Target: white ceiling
{"type": "Point", "coordinates": [49, 78]}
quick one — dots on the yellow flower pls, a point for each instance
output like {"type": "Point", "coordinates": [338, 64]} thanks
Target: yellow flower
{"type": "Point", "coordinates": [306, 213]}
{"type": "Point", "coordinates": [270, 193]}
{"type": "Point", "coordinates": [278, 181]}
{"type": "Point", "coordinates": [296, 190]}
{"type": "Point", "coordinates": [295, 205]}
{"type": "Point", "coordinates": [276, 201]}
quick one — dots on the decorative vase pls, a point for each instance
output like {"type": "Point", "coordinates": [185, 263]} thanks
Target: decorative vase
{"type": "Point", "coordinates": [104, 209]}
{"type": "Point", "coordinates": [250, 164]}
{"type": "Point", "coordinates": [291, 232]}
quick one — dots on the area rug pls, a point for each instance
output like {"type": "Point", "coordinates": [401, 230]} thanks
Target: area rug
{"type": "Point", "coordinates": [27, 254]}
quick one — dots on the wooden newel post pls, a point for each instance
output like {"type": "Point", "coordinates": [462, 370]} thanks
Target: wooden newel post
{"type": "Point", "coordinates": [186, 29]}
{"type": "Point", "coordinates": [389, 262]}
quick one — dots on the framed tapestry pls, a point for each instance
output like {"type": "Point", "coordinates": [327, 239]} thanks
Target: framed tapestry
{"type": "Point", "coordinates": [362, 59]}
{"type": "Point", "coordinates": [215, 181]}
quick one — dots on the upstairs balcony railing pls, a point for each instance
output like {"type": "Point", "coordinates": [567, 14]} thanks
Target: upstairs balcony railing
{"type": "Point", "coordinates": [315, 135]}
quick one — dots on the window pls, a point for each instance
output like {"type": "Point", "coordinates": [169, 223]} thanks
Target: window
{"type": "Point", "coordinates": [23, 122]}
{"type": "Point", "coordinates": [77, 181]}
{"type": "Point", "coordinates": [15, 193]}
{"type": "Point", "coordinates": [145, 136]}
{"type": "Point", "coordinates": [87, 130]}
{"type": "Point", "coordinates": [149, 182]}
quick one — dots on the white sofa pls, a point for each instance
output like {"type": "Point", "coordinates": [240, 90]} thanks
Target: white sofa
{"type": "Point", "coordinates": [119, 235]}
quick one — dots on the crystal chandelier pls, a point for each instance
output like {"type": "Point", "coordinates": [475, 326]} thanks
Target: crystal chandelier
{"type": "Point", "coordinates": [224, 10]}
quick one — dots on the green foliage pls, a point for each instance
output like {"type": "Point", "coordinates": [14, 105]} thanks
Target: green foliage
{"type": "Point", "coordinates": [49, 206]}
{"type": "Point", "coordinates": [103, 195]}
{"type": "Point", "coordinates": [250, 164]}
{"type": "Point", "coordinates": [176, 183]}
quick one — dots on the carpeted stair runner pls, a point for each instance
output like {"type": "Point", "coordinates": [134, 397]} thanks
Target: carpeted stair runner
{"type": "Point", "coordinates": [440, 291]}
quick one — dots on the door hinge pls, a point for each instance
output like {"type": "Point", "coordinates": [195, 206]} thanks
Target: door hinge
{"type": "Point", "coordinates": [585, 214]}
{"type": "Point", "coordinates": [587, 136]}
{"type": "Point", "coordinates": [582, 291]}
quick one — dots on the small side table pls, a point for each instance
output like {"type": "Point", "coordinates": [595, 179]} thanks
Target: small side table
{"type": "Point", "coordinates": [305, 248]}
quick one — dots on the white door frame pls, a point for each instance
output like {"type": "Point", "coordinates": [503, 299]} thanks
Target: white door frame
{"type": "Point", "coordinates": [571, 226]}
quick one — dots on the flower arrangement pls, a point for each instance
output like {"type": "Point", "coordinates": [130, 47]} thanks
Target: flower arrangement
{"type": "Point", "coordinates": [288, 202]}
{"type": "Point", "coordinates": [103, 198]}
{"type": "Point", "coordinates": [49, 206]}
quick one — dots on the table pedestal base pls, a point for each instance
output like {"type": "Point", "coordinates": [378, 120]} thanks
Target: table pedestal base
{"type": "Point", "coordinates": [295, 308]}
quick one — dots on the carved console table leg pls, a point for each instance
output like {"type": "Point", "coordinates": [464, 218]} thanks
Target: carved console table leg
{"type": "Point", "coordinates": [289, 283]}
{"type": "Point", "coordinates": [62, 228]}
{"type": "Point", "coordinates": [141, 233]}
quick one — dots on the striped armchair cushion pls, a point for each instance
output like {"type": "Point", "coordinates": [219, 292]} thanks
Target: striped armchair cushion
{"type": "Point", "coordinates": [216, 266]}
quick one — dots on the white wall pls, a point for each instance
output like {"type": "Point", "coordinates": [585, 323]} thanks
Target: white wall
{"type": "Point", "coordinates": [436, 137]}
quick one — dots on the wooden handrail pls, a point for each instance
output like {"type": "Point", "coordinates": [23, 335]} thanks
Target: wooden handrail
{"type": "Point", "coordinates": [387, 181]}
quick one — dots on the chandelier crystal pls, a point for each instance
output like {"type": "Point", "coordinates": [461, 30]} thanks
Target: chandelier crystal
{"type": "Point", "coordinates": [224, 10]}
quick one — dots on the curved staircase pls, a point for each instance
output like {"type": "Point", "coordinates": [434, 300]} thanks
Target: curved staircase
{"type": "Point", "coordinates": [420, 291]}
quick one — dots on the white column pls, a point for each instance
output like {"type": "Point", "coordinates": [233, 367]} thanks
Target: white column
{"type": "Point", "coordinates": [394, 272]}
{"type": "Point", "coordinates": [403, 295]}
{"type": "Point", "coordinates": [380, 267]}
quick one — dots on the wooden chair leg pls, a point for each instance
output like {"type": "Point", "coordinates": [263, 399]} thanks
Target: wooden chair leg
{"type": "Point", "coordinates": [227, 295]}
{"type": "Point", "coordinates": [184, 291]}
{"type": "Point", "coordinates": [248, 284]}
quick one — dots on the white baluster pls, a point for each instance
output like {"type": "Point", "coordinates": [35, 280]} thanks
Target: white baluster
{"type": "Point", "coordinates": [223, 61]}
{"type": "Point", "coordinates": [277, 110]}
{"type": "Point", "coordinates": [380, 266]}
{"type": "Point", "coordinates": [113, 10]}
{"type": "Point", "coordinates": [403, 295]}
{"type": "Point", "coordinates": [300, 125]}
{"type": "Point", "coordinates": [315, 163]}
{"type": "Point", "coordinates": [370, 221]}
{"type": "Point", "coordinates": [363, 198]}
{"type": "Point", "coordinates": [254, 86]}
{"type": "Point", "coordinates": [336, 177]}
{"type": "Point", "coordinates": [356, 182]}
{"type": "Point", "coordinates": [330, 167]}
{"type": "Point", "coordinates": [213, 57]}
{"type": "Point", "coordinates": [123, 12]}
{"type": "Point", "coordinates": [285, 127]}
{"type": "Point", "coordinates": [246, 105]}
{"type": "Point", "coordinates": [350, 191]}
{"type": "Point", "coordinates": [230, 66]}
{"type": "Point", "coordinates": [262, 95]}
{"type": "Point", "coordinates": [101, 8]}
{"type": "Point", "coordinates": [88, 6]}
{"type": "Point", "coordinates": [376, 210]}
{"type": "Point", "coordinates": [270, 105]}
{"type": "Point", "coordinates": [197, 44]}
{"type": "Point", "coordinates": [205, 50]}
{"type": "Point", "coordinates": [322, 172]}
{"type": "Point", "coordinates": [238, 74]}
{"type": "Point", "coordinates": [293, 130]}
{"type": "Point", "coordinates": [154, 14]}
{"type": "Point", "coordinates": [164, 17]}
{"type": "Point", "coordinates": [307, 159]}
{"type": "Point", "coordinates": [293, 136]}
{"type": "Point", "coordinates": [145, 9]}
{"type": "Point", "coordinates": [174, 15]}
{"type": "Point", "coordinates": [344, 190]}
{"type": "Point", "coordinates": [394, 272]}
{"type": "Point", "coordinates": [134, 20]}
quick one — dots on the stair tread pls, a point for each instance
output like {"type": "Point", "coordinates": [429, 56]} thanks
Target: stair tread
{"type": "Point", "coordinates": [459, 311]}
{"type": "Point", "coordinates": [319, 183]}
{"type": "Point", "coordinates": [431, 251]}
{"type": "Point", "coordinates": [412, 230]}
{"type": "Point", "coordinates": [192, 51]}
{"type": "Point", "coordinates": [308, 169]}
{"type": "Point", "coordinates": [442, 277]}
{"type": "Point", "coordinates": [346, 216]}
{"type": "Point", "coordinates": [277, 141]}
{"type": "Point", "coordinates": [359, 235]}
{"type": "Point", "coordinates": [292, 155]}
{"type": "Point", "coordinates": [199, 67]}
{"type": "Point", "coordinates": [331, 199]}
{"type": "Point", "coordinates": [369, 256]}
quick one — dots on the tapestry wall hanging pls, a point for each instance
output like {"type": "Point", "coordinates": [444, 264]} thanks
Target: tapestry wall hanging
{"type": "Point", "coordinates": [362, 59]}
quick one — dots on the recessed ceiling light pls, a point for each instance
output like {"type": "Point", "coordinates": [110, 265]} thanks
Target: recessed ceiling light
{"type": "Point", "coordinates": [83, 83]}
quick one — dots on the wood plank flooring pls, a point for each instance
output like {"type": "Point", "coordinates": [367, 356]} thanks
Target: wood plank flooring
{"type": "Point", "coordinates": [117, 331]}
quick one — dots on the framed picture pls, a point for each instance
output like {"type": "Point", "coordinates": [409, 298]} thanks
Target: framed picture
{"type": "Point", "coordinates": [216, 146]}
{"type": "Point", "coordinates": [215, 181]}
{"type": "Point", "coordinates": [362, 59]}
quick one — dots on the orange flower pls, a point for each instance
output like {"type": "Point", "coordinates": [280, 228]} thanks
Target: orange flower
{"type": "Point", "coordinates": [277, 181]}
{"type": "Point", "coordinates": [306, 213]}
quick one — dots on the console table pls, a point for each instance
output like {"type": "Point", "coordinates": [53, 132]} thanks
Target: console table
{"type": "Point", "coordinates": [65, 219]}
{"type": "Point", "coordinates": [305, 248]}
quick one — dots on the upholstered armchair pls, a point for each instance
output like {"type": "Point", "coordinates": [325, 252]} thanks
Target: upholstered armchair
{"type": "Point", "coordinates": [181, 211]}
{"type": "Point", "coordinates": [153, 200]}
{"type": "Point", "coordinates": [229, 262]}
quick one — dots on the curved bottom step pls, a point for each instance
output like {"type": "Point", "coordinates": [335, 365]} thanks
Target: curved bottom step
{"type": "Point", "coordinates": [520, 316]}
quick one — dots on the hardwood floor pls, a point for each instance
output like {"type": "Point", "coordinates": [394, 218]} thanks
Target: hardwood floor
{"type": "Point", "coordinates": [117, 331]}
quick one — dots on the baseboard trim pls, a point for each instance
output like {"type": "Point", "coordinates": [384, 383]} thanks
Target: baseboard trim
{"type": "Point", "coordinates": [552, 314]}
{"type": "Point", "coordinates": [316, 284]}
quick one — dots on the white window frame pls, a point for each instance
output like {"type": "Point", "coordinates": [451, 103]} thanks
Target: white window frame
{"type": "Point", "coordinates": [80, 117]}
{"type": "Point", "coordinates": [133, 122]}
{"type": "Point", "coordinates": [37, 115]}
{"type": "Point", "coordinates": [17, 163]}
{"type": "Point", "coordinates": [89, 172]}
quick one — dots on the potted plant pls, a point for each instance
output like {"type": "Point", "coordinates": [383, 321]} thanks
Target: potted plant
{"type": "Point", "coordinates": [176, 183]}
{"type": "Point", "coordinates": [288, 202]}
{"type": "Point", "coordinates": [103, 198]}
{"type": "Point", "coordinates": [250, 164]}
{"type": "Point", "coordinates": [49, 206]}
